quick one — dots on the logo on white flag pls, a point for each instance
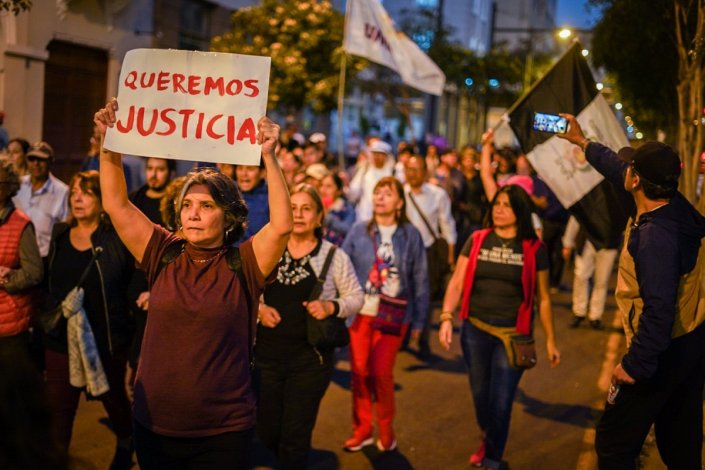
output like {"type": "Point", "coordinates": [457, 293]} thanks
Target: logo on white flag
{"type": "Point", "coordinates": [370, 33]}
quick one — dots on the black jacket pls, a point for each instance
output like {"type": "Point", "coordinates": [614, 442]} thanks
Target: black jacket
{"type": "Point", "coordinates": [664, 244]}
{"type": "Point", "coordinates": [114, 269]}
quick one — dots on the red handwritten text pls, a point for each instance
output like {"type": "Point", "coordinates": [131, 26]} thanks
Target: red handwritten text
{"type": "Point", "coordinates": [191, 84]}
{"type": "Point", "coordinates": [169, 121]}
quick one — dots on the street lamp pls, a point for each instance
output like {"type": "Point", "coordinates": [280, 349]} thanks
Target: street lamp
{"type": "Point", "coordinates": [563, 33]}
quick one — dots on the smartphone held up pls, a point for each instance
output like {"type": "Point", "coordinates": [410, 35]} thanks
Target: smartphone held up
{"type": "Point", "coordinates": [553, 123]}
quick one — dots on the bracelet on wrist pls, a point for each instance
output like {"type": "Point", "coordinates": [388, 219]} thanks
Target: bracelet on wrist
{"type": "Point", "coordinates": [446, 316]}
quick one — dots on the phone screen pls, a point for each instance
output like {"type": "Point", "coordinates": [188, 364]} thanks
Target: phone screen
{"type": "Point", "coordinates": [553, 123]}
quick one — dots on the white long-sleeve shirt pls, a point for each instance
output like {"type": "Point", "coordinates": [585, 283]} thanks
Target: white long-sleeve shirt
{"type": "Point", "coordinates": [435, 204]}
{"type": "Point", "coordinates": [45, 207]}
{"type": "Point", "coordinates": [363, 184]}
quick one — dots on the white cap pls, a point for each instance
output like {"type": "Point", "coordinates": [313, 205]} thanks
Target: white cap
{"type": "Point", "coordinates": [317, 171]}
{"type": "Point", "coordinates": [380, 146]}
{"type": "Point", "coordinates": [317, 137]}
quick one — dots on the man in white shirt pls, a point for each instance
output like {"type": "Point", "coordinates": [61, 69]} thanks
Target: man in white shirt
{"type": "Point", "coordinates": [379, 164]}
{"type": "Point", "coordinates": [590, 264]}
{"type": "Point", "coordinates": [429, 202]}
{"type": "Point", "coordinates": [42, 196]}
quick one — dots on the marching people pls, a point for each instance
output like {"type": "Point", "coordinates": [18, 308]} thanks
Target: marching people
{"type": "Point", "coordinates": [293, 374]}
{"type": "Point", "coordinates": [428, 208]}
{"type": "Point", "coordinates": [390, 262]}
{"type": "Point", "coordinates": [88, 244]}
{"type": "Point", "coordinates": [659, 381]}
{"type": "Point", "coordinates": [591, 264]}
{"type": "Point", "coordinates": [194, 406]}
{"type": "Point", "coordinates": [340, 214]}
{"type": "Point", "coordinates": [17, 150]}
{"type": "Point", "coordinates": [379, 163]}
{"type": "Point", "coordinates": [20, 264]}
{"type": "Point", "coordinates": [474, 208]}
{"type": "Point", "coordinates": [42, 196]}
{"type": "Point", "coordinates": [492, 180]}
{"type": "Point", "coordinates": [500, 276]}
{"type": "Point", "coordinates": [252, 183]}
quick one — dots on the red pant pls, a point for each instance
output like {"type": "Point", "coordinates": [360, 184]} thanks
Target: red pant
{"type": "Point", "coordinates": [372, 356]}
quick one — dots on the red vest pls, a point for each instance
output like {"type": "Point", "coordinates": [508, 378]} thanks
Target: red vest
{"type": "Point", "coordinates": [528, 279]}
{"type": "Point", "coordinates": [14, 308]}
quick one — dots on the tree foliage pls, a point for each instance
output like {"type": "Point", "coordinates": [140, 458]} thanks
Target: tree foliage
{"type": "Point", "coordinates": [657, 54]}
{"type": "Point", "coordinates": [15, 6]}
{"type": "Point", "coordinates": [304, 40]}
{"type": "Point", "coordinates": [636, 44]}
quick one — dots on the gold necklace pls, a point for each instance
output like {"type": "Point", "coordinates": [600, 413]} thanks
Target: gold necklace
{"type": "Point", "coordinates": [204, 260]}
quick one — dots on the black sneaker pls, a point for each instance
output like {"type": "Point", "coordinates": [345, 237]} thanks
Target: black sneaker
{"type": "Point", "coordinates": [576, 321]}
{"type": "Point", "coordinates": [123, 458]}
{"type": "Point", "coordinates": [596, 325]}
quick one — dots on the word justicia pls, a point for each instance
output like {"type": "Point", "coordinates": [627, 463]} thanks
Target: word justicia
{"type": "Point", "coordinates": [191, 84]}
{"type": "Point", "coordinates": [186, 123]}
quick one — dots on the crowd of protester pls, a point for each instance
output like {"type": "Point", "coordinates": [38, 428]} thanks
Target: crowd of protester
{"type": "Point", "coordinates": [155, 296]}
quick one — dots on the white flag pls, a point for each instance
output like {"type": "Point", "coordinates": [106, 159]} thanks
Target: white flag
{"type": "Point", "coordinates": [370, 33]}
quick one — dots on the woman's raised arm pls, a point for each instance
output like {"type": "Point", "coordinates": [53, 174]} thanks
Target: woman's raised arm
{"type": "Point", "coordinates": [133, 227]}
{"type": "Point", "coordinates": [269, 243]}
{"type": "Point", "coordinates": [486, 175]}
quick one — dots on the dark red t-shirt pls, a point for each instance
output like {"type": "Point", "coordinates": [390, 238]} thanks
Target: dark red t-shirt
{"type": "Point", "coordinates": [193, 378]}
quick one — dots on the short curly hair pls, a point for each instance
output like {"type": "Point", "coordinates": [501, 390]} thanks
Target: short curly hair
{"type": "Point", "coordinates": [11, 178]}
{"type": "Point", "coordinates": [226, 195]}
{"type": "Point", "coordinates": [167, 204]}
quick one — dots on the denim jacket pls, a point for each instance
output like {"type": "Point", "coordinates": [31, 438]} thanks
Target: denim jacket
{"type": "Point", "coordinates": [410, 256]}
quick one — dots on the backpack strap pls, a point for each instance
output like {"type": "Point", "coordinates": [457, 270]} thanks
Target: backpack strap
{"type": "Point", "coordinates": [234, 261]}
{"type": "Point", "coordinates": [170, 254]}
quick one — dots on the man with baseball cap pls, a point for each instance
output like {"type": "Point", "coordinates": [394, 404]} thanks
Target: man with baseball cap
{"type": "Point", "coordinates": [42, 196]}
{"type": "Point", "coordinates": [660, 378]}
{"type": "Point", "coordinates": [379, 164]}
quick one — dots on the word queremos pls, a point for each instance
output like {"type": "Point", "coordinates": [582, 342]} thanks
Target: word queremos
{"type": "Point", "coordinates": [169, 121]}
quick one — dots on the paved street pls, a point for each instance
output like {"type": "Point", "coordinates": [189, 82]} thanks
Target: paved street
{"type": "Point", "coordinates": [552, 424]}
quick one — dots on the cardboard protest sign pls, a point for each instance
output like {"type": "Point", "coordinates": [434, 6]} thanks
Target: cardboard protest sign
{"type": "Point", "coordinates": [190, 105]}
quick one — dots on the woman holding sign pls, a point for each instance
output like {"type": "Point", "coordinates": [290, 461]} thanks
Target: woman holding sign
{"type": "Point", "coordinates": [193, 401]}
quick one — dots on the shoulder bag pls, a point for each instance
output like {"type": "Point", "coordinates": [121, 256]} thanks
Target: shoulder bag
{"type": "Point", "coordinates": [521, 349]}
{"type": "Point", "coordinates": [331, 332]}
{"type": "Point", "coordinates": [437, 253]}
{"type": "Point", "coordinates": [52, 312]}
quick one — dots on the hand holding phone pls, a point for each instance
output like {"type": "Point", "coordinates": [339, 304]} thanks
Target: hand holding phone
{"type": "Point", "coordinates": [544, 122]}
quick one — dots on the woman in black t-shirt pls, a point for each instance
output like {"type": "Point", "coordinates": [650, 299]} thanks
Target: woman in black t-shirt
{"type": "Point", "coordinates": [72, 250]}
{"type": "Point", "coordinates": [499, 273]}
{"type": "Point", "coordinates": [293, 375]}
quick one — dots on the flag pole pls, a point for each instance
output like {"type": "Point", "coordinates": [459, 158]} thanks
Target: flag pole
{"type": "Point", "coordinates": [341, 103]}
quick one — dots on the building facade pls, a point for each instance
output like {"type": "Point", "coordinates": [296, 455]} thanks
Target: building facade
{"type": "Point", "coordinates": [61, 60]}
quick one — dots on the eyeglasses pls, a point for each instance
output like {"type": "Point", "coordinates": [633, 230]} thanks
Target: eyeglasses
{"type": "Point", "coordinates": [32, 158]}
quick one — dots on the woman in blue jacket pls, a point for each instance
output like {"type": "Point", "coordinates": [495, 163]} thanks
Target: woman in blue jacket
{"type": "Point", "coordinates": [390, 263]}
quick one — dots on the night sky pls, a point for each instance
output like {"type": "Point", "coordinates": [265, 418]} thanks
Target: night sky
{"type": "Point", "coordinates": [574, 13]}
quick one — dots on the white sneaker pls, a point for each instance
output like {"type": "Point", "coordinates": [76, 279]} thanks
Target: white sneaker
{"type": "Point", "coordinates": [391, 447]}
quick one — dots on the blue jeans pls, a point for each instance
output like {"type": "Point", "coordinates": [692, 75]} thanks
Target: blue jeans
{"type": "Point", "coordinates": [493, 383]}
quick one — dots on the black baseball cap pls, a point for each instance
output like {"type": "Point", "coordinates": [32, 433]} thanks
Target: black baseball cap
{"type": "Point", "coordinates": [656, 162]}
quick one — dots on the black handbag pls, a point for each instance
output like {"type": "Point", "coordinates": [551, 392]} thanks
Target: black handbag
{"type": "Point", "coordinates": [51, 312]}
{"type": "Point", "coordinates": [331, 332]}
{"type": "Point", "coordinates": [436, 255]}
